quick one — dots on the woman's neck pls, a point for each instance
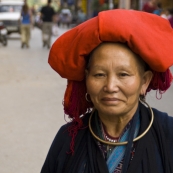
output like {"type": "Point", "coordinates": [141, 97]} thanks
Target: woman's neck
{"type": "Point", "coordinates": [115, 126]}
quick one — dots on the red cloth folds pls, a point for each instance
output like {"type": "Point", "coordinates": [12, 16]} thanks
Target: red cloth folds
{"type": "Point", "coordinates": [148, 35]}
{"type": "Point", "coordinates": [67, 53]}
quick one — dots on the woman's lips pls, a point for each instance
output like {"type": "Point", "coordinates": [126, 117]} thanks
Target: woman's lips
{"type": "Point", "coordinates": [110, 101]}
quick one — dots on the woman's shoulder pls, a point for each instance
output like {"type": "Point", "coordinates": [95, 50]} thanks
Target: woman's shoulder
{"type": "Point", "coordinates": [63, 138]}
{"type": "Point", "coordinates": [165, 120]}
{"type": "Point", "coordinates": [63, 132]}
{"type": "Point", "coordinates": [162, 115]}
{"type": "Point", "coordinates": [60, 146]}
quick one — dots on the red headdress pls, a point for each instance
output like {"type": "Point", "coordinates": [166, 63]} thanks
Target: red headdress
{"type": "Point", "coordinates": [148, 35]}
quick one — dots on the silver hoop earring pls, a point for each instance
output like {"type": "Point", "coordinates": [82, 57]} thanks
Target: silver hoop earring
{"type": "Point", "coordinates": [87, 97]}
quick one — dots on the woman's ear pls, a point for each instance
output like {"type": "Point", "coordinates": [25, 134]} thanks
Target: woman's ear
{"type": "Point", "coordinates": [146, 79]}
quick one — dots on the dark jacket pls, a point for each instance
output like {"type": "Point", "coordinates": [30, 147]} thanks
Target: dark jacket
{"type": "Point", "coordinates": [154, 151]}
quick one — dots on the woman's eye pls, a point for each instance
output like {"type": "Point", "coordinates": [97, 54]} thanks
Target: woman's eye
{"type": "Point", "coordinates": [99, 75]}
{"type": "Point", "coordinates": [123, 74]}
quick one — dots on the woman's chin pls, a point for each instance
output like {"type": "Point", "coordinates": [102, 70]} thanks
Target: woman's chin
{"type": "Point", "coordinates": [111, 111]}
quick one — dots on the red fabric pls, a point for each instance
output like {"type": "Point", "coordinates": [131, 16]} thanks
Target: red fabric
{"type": "Point", "coordinates": [147, 34]}
{"type": "Point", "coordinates": [67, 53]}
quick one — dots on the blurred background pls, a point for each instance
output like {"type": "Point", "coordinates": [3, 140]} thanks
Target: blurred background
{"type": "Point", "coordinates": [31, 93]}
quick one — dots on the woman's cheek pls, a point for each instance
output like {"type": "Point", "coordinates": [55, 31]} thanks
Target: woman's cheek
{"type": "Point", "coordinates": [93, 87]}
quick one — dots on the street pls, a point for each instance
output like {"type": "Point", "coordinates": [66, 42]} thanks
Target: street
{"type": "Point", "coordinates": [31, 104]}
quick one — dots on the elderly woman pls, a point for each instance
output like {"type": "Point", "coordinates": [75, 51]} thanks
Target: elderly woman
{"type": "Point", "coordinates": [111, 62]}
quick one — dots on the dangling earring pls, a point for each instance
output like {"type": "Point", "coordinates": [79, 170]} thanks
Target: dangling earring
{"type": "Point", "coordinates": [142, 97]}
{"type": "Point", "coordinates": [87, 97]}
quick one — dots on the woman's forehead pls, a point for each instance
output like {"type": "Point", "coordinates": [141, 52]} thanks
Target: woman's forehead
{"type": "Point", "coordinates": [105, 51]}
{"type": "Point", "coordinates": [113, 48]}
{"type": "Point", "coordinates": [116, 56]}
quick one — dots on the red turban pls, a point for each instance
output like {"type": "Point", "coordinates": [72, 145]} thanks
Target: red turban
{"type": "Point", "coordinates": [148, 35]}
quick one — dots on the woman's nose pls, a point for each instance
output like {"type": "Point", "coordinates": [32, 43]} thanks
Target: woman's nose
{"type": "Point", "coordinates": [111, 84]}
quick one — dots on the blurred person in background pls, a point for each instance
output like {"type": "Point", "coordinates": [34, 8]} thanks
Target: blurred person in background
{"type": "Point", "coordinates": [150, 6]}
{"type": "Point", "coordinates": [33, 12]}
{"type": "Point", "coordinates": [26, 18]}
{"type": "Point", "coordinates": [65, 17]}
{"type": "Point", "coordinates": [165, 14]}
{"type": "Point", "coordinates": [55, 27]}
{"type": "Point", "coordinates": [47, 14]}
{"type": "Point", "coordinates": [171, 17]}
{"type": "Point", "coordinates": [81, 16]}
{"type": "Point", "coordinates": [158, 10]}
{"type": "Point", "coordinates": [38, 21]}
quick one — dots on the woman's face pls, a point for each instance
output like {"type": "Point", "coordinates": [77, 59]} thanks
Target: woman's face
{"type": "Point", "coordinates": [115, 80]}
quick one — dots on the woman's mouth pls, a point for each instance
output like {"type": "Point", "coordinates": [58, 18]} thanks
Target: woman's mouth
{"type": "Point", "coordinates": [110, 100]}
